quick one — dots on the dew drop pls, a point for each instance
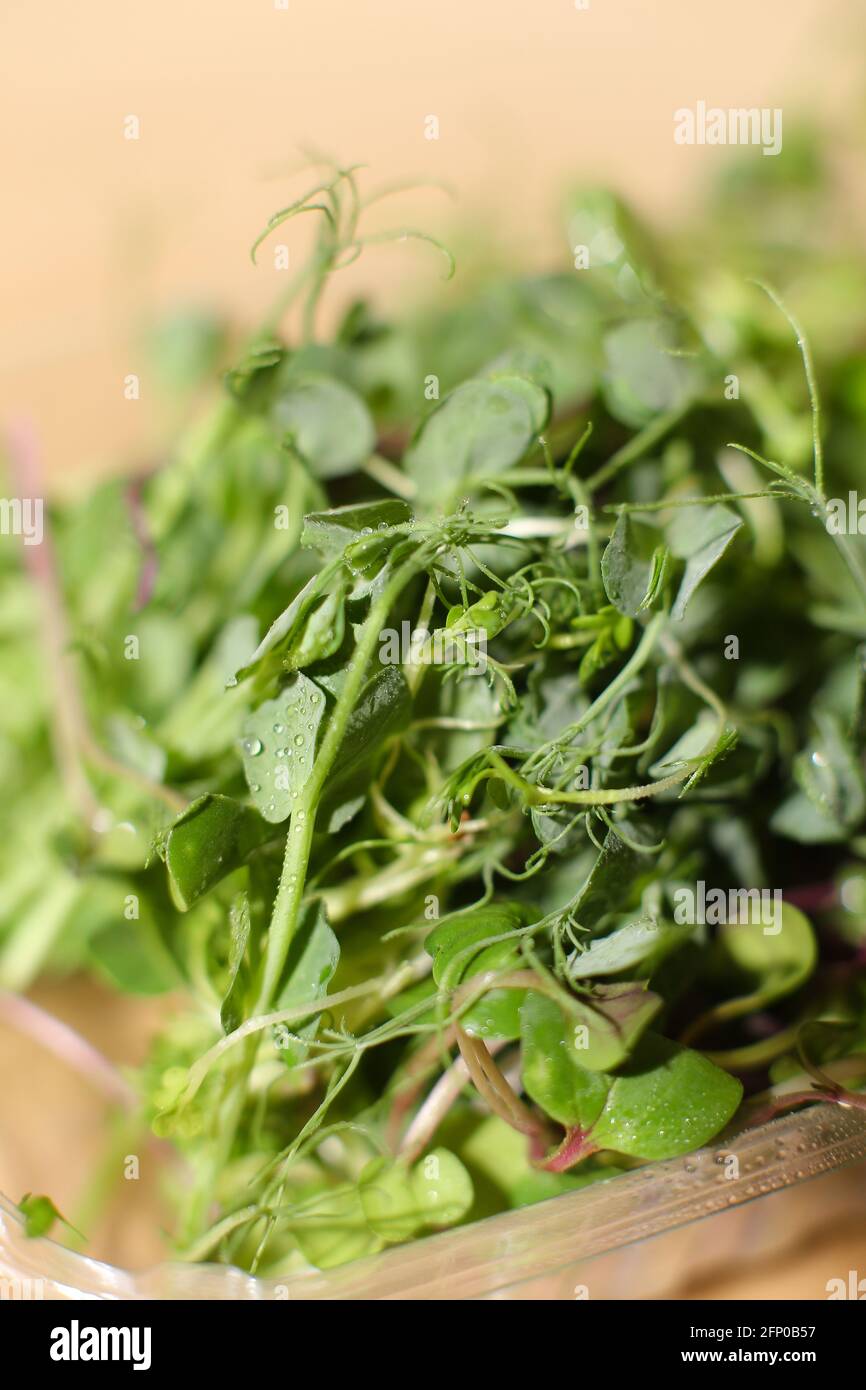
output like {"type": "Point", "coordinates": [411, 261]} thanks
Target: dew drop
{"type": "Point", "coordinates": [252, 747]}
{"type": "Point", "coordinates": [279, 729]}
{"type": "Point", "coordinates": [299, 739]}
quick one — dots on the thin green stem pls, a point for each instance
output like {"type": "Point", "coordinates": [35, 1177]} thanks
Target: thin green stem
{"type": "Point", "coordinates": [671, 502]}
{"type": "Point", "coordinates": [592, 796]}
{"type": "Point", "coordinates": [635, 663]}
{"type": "Point", "coordinates": [811, 382]}
{"type": "Point", "coordinates": [292, 880]}
{"type": "Point", "coordinates": [638, 445]}
{"type": "Point", "coordinates": [226, 1120]}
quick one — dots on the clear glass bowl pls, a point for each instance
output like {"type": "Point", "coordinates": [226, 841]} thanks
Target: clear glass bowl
{"type": "Point", "coordinates": [640, 1235]}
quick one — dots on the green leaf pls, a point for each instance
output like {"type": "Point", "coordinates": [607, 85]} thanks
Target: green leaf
{"type": "Point", "coordinates": [330, 532]}
{"type": "Point", "coordinates": [210, 839]}
{"type": "Point", "coordinates": [530, 385]}
{"type": "Point", "coordinates": [165, 661]}
{"type": "Point", "coordinates": [614, 637]}
{"type": "Point", "coordinates": [40, 1214]}
{"type": "Point", "coordinates": [231, 1011]}
{"type": "Point", "coordinates": [252, 380]}
{"type": "Point", "coordinates": [52, 910]}
{"type": "Point", "coordinates": [489, 614]}
{"type": "Point", "coordinates": [689, 747]}
{"type": "Point", "coordinates": [382, 710]}
{"type": "Point", "coordinates": [523, 362]}
{"type": "Point", "coordinates": [631, 564]}
{"type": "Point", "coordinates": [781, 956]}
{"type": "Point", "coordinates": [701, 540]}
{"type": "Point", "coordinates": [321, 634]}
{"type": "Point", "coordinates": [552, 1074]}
{"type": "Point", "coordinates": [313, 957]}
{"type": "Point", "coordinates": [718, 751]}
{"type": "Point", "coordinates": [668, 1101]}
{"type": "Point", "coordinates": [828, 771]}
{"type": "Point", "coordinates": [183, 349]}
{"type": "Point", "coordinates": [498, 1155]}
{"type": "Point", "coordinates": [309, 630]}
{"type": "Point", "coordinates": [624, 948]}
{"type": "Point", "coordinates": [471, 701]}
{"type": "Point", "coordinates": [482, 428]}
{"type": "Point", "coordinates": [456, 943]}
{"type": "Point", "coordinates": [397, 1201]}
{"type": "Point", "coordinates": [388, 1202]}
{"type": "Point", "coordinates": [558, 830]}
{"type": "Point", "coordinates": [408, 998]}
{"type": "Point", "coordinates": [129, 955]}
{"type": "Point", "coordinates": [278, 747]}
{"type": "Point", "coordinates": [610, 880]}
{"type": "Point", "coordinates": [607, 1028]}
{"type": "Point", "coordinates": [618, 245]}
{"type": "Point", "coordinates": [643, 377]}
{"type": "Point", "coordinates": [496, 1015]}
{"type": "Point", "coordinates": [442, 1188]}
{"type": "Point", "coordinates": [204, 722]}
{"type": "Point", "coordinates": [335, 1229]}
{"type": "Point", "coordinates": [267, 657]}
{"type": "Point", "coordinates": [798, 818]}
{"type": "Point", "coordinates": [328, 424]}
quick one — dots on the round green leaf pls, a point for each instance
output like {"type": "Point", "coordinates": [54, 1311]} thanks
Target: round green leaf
{"type": "Point", "coordinates": [669, 1101]}
{"type": "Point", "coordinates": [278, 747]}
{"type": "Point", "coordinates": [442, 1188]}
{"type": "Point", "coordinates": [481, 429]}
{"type": "Point", "coordinates": [552, 1074]}
{"type": "Point", "coordinates": [329, 424]}
{"type": "Point", "coordinates": [782, 953]}
{"type": "Point", "coordinates": [456, 943]}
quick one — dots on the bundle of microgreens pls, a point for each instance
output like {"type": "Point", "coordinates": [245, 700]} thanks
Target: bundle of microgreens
{"type": "Point", "coordinates": [394, 720]}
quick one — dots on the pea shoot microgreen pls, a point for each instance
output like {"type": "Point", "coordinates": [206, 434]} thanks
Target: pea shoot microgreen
{"type": "Point", "coordinates": [393, 721]}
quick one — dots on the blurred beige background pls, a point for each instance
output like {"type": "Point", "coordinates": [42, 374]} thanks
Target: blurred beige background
{"type": "Point", "coordinates": [101, 233]}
